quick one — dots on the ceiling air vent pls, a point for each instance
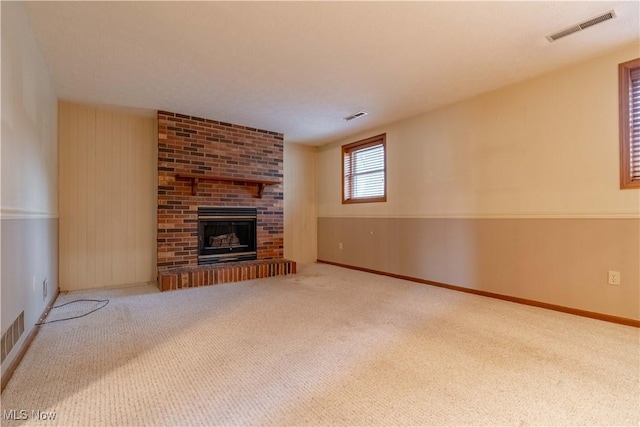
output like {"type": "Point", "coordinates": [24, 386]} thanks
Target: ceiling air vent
{"type": "Point", "coordinates": [356, 115]}
{"type": "Point", "coordinates": [581, 26]}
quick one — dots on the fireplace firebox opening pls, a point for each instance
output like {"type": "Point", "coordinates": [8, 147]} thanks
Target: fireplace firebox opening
{"type": "Point", "coordinates": [226, 234]}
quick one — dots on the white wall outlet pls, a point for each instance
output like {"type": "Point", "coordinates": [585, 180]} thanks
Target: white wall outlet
{"type": "Point", "coordinates": [340, 245]}
{"type": "Point", "coordinates": [614, 278]}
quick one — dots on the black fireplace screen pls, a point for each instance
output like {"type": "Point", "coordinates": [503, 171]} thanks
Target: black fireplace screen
{"type": "Point", "coordinates": [226, 234]}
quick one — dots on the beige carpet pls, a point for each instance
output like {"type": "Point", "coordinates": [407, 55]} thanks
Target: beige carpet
{"type": "Point", "coordinates": [326, 346]}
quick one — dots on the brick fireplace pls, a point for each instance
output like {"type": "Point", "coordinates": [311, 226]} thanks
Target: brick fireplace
{"type": "Point", "coordinates": [207, 164]}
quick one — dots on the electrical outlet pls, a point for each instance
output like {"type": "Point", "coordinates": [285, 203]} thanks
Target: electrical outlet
{"type": "Point", "coordinates": [340, 245]}
{"type": "Point", "coordinates": [614, 278]}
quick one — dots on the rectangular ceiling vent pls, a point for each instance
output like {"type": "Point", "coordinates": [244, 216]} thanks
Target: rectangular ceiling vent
{"type": "Point", "coordinates": [356, 115]}
{"type": "Point", "coordinates": [581, 26]}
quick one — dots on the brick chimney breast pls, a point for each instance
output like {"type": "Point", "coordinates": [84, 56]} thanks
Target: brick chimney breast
{"type": "Point", "coordinates": [193, 145]}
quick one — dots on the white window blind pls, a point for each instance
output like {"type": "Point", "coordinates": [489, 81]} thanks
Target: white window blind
{"type": "Point", "coordinates": [634, 125]}
{"type": "Point", "coordinates": [364, 170]}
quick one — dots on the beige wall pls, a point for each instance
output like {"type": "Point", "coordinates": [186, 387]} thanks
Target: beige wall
{"type": "Point", "coordinates": [514, 161]}
{"type": "Point", "coordinates": [29, 229]}
{"type": "Point", "coordinates": [558, 261]}
{"type": "Point", "coordinates": [546, 147]}
{"type": "Point", "coordinates": [300, 204]}
{"type": "Point", "coordinates": [107, 197]}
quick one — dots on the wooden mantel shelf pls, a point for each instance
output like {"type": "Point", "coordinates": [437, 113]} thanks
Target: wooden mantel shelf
{"type": "Point", "coordinates": [194, 178]}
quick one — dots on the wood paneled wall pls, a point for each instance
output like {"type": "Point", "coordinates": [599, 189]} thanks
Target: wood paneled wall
{"type": "Point", "coordinates": [108, 190]}
{"type": "Point", "coordinates": [300, 203]}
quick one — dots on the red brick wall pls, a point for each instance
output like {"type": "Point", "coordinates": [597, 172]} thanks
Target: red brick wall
{"type": "Point", "coordinates": [194, 145]}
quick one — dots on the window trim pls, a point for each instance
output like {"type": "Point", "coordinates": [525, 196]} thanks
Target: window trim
{"type": "Point", "coordinates": [624, 80]}
{"type": "Point", "coordinates": [359, 145]}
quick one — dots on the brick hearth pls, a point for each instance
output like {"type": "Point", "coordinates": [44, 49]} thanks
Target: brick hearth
{"type": "Point", "coordinates": [193, 145]}
{"type": "Point", "coordinates": [205, 275]}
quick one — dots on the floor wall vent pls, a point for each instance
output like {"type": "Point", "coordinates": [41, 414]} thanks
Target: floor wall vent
{"type": "Point", "coordinates": [11, 336]}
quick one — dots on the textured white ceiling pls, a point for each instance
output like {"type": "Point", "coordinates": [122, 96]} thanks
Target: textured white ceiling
{"type": "Point", "coordinates": [300, 67]}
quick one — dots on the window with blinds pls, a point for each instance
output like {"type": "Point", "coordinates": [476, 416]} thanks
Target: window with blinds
{"type": "Point", "coordinates": [364, 171]}
{"type": "Point", "coordinates": [629, 80]}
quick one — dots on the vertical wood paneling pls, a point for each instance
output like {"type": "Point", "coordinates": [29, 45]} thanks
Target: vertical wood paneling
{"type": "Point", "coordinates": [91, 191]}
{"type": "Point", "coordinates": [76, 209]}
{"type": "Point", "coordinates": [107, 197]}
{"type": "Point", "coordinates": [63, 182]}
{"type": "Point", "coordinates": [144, 260]}
{"type": "Point", "coordinates": [300, 203]}
{"type": "Point", "coordinates": [110, 191]}
{"type": "Point", "coordinates": [118, 230]}
{"type": "Point", "coordinates": [103, 264]}
{"type": "Point", "coordinates": [129, 203]}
